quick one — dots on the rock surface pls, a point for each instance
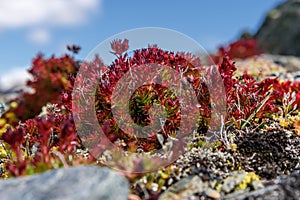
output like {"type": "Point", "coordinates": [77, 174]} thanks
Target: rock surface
{"type": "Point", "coordinates": [269, 65]}
{"type": "Point", "coordinates": [83, 182]}
{"type": "Point", "coordinates": [280, 31]}
{"type": "Point", "coordinates": [290, 63]}
{"type": "Point", "coordinates": [284, 187]}
{"type": "Point", "coordinates": [262, 164]}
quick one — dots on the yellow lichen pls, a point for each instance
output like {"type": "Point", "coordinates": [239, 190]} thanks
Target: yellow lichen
{"type": "Point", "coordinates": [233, 147]}
{"type": "Point", "coordinates": [284, 122]}
{"type": "Point", "coordinates": [4, 129]}
{"type": "Point", "coordinates": [163, 174]}
{"type": "Point", "coordinates": [13, 105]}
{"type": "Point", "coordinates": [2, 122]}
{"type": "Point", "coordinates": [289, 120]}
{"type": "Point", "coordinates": [10, 115]}
{"type": "Point", "coordinates": [3, 153]}
{"type": "Point", "coordinates": [249, 178]}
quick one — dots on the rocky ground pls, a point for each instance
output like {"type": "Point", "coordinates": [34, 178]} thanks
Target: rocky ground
{"type": "Point", "coordinates": [262, 163]}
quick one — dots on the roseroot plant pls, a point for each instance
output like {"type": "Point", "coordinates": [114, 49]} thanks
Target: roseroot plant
{"type": "Point", "coordinates": [37, 143]}
{"type": "Point", "coordinates": [29, 147]}
{"type": "Point", "coordinates": [50, 77]}
{"type": "Point", "coordinates": [240, 49]}
{"type": "Point", "coordinates": [42, 143]}
{"type": "Point", "coordinates": [249, 100]}
{"type": "Point", "coordinates": [144, 97]}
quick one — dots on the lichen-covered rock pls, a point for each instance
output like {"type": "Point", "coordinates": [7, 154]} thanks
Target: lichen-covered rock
{"type": "Point", "coordinates": [283, 187]}
{"type": "Point", "coordinates": [83, 182]}
{"type": "Point", "coordinates": [289, 63]}
{"type": "Point", "coordinates": [270, 66]}
{"type": "Point", "coordinates": [259, 67]}
{"type": "Point", "coordinates": [189, 188]}
{"type": "Point", "coordinates": [193, 187]}
{"type": "Point", "coordinates": [280, 31]}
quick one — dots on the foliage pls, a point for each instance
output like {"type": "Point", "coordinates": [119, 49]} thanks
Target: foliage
{"type": "Point", "coordinates": [142, 99]}
{"type": "Point", "coordinates": [243, 48]}
{"type": "Point", "coordinates": [43, 143]}
{"type": "Point", "coordinates": [35, 143]}
{"type": "Point", "coordinates": [49, 79]}
{"type": "Point", "coordinates": [252, 100]}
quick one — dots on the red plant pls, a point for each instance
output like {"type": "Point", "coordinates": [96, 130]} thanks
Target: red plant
{"type": "Point", "coordinates": [14, 138]}
{"type": "Point", "coordinates": [43, 143]}
{"type": "Point", "coordinates": [144, 97]}
{"type": "Point", "coordinates": [50, 77]}
{"type": "Point", "coordinates": [119, 47]}
{"type": "Point", "coordinates": [244, 95]}
{"type": "Point", "coordinates": [241, 49]}
{"type": "Point", "coordinates": [249, 99]}
{"type": "Point", "coordinates": [48, 141]}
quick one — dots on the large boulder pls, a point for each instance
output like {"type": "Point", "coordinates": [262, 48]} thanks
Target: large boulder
{"type": "Point", "coordinates": [280, 31]}
{"type": "Point", "coordinates": [84, 182]}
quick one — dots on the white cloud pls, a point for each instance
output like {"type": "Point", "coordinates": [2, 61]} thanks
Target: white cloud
{"type": "Point", "coordinates": [28, 13]}
{"type": "Point", "coordinates": [39, 36]}
{"type": "Point", "coordinates": [16, 77]}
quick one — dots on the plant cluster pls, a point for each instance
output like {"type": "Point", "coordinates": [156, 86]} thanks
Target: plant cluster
{"type": "Point", "coordinates": [36, 142]}
{"type": "Point", "coordinates": [144, 97]}
{"type": "Point", "coordinates": [240, 49]}
{"type": "Point", "coordinates": [49, 78]}
{"type": "Point", "coordinates": [43, 143]}
{"type": "Point", "coordinates": [33, 141]}
{"type": "Point", "coordinates": [249, 100]}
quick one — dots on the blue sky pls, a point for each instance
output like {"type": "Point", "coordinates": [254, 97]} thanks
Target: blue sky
{"type": "Point", "coordinates": [31, 26]}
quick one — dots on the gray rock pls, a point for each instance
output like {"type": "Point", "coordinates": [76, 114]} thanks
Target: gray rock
{"type": "Point", "coordinates": [189, 188]}
{"type": "Point", "coordinates": [83, 182]}
{"type": "Point", "coordinates": [280, 31]}
{"type": "Point", "coordinates": [283, 187]}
